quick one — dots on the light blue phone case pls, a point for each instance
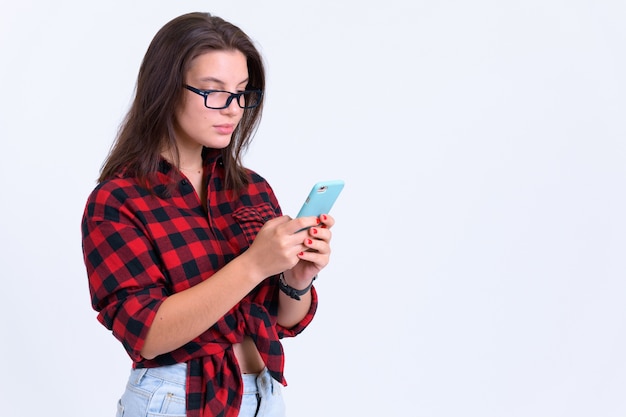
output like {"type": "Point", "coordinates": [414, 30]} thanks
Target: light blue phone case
{"type": "Point", "coordinates": [321, 198]}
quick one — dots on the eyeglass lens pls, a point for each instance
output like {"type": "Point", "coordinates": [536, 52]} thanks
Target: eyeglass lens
{"type": "Point", "coordinates": [222, 99]}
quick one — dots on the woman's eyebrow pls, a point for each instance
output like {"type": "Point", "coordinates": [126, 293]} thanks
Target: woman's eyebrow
{"type": "Point", "coordinates": [220, 82]}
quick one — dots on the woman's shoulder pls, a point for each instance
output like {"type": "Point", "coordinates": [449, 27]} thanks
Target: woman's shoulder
{"type": "Point", "coordinates": [259, 187]}
{"type": "Point", "coordinates": [257, 182]}
{"type": "Point", "coordinates": [255, 177]}
{"type": "Point", "coordinates": [115, 186]}
{"type": "Point", "coordinates": [116, 192]}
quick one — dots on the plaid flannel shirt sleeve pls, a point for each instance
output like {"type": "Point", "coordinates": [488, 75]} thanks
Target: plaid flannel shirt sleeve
{"type": "Point", "coordinates": [125, 283]}
{"type": "Point", "coordinates": [304, 323]}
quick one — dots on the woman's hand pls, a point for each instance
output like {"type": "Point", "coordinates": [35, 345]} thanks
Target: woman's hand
{"type": "Point", "coordinates": [316, 254]}
{"type": "Point", "coordinates": [301, 245]}
{"type": "Point", "coordinates": [277, 245]}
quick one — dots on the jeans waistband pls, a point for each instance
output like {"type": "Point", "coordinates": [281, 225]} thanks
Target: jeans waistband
{"type": "Point", "coordinates": [177, 374]}
{"type": "Point", "coordinates": [257, 383]}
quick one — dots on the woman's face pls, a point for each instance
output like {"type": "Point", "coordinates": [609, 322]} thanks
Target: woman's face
{"type": "Point", "coordinates": [198, 125]}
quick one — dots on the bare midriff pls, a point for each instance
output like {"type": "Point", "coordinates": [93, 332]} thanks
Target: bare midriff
{"type": "Point", "coordinates": [250, 361]}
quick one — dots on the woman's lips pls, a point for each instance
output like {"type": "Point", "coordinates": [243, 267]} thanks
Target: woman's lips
{"type": "Point", "coordinates": [226, 129]}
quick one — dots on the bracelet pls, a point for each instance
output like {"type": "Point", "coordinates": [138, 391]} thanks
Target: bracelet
{"type": "Point", "coordinates": [290, 291]}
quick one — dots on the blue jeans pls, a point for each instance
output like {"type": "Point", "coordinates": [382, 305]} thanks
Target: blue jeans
{"type": "Point", "coordinates": [160, 392]}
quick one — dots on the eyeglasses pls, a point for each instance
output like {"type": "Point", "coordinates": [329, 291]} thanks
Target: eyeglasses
{"type": "Point", "coordinates": [219, 99]}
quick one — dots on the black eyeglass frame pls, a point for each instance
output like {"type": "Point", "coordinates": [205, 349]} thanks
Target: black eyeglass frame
{"type": "Point", "coordinates": [205, 94]}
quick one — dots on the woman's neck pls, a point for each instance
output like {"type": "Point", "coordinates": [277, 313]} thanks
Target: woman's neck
{"type": "Point", "coordinates": [187, 160]}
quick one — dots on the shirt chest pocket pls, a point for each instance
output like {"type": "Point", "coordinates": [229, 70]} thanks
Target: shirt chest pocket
{"type": "Point", "coordinates": [251, 218]}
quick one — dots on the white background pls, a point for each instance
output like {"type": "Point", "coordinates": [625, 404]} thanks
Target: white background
{"type": "Point", "coordinates": [478, 265]}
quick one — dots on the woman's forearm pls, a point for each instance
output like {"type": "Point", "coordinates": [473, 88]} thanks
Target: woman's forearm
{"type": "Point", "coordinates": [185, 315]}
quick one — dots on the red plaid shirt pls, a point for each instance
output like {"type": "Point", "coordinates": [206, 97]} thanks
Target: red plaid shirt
{"type": "Point", "coordinates": [139, 248]}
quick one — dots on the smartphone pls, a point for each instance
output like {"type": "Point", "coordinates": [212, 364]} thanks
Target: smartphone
{"type": "Point", "coordinates": [321, 198]}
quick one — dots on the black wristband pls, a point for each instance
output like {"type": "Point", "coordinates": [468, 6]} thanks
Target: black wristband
{"type": "Point", "coordinates": [290, 291]}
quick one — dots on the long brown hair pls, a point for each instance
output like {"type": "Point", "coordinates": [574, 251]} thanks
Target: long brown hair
{"type": "Point", "coordinates": [149, 124]}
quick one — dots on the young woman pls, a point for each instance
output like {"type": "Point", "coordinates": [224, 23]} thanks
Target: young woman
{"type": "Point", "coordinates": [191, 264]}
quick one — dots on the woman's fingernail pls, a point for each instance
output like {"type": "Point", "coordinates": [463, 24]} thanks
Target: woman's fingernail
{"type": "Point", "coordinates": [309, 242]}
{"type": "Point", "coordinates": [314, 231]}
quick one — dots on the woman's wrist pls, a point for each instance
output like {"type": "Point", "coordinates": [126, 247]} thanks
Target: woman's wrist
{"type": "Point", "coordinates": [252, 268]}
{"type": "Point", "coordinates": [292, 292]}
